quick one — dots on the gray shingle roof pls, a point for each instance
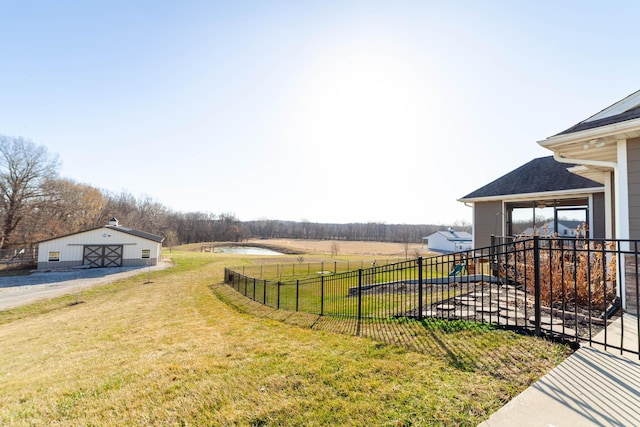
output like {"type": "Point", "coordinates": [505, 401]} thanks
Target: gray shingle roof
{"type": "Point", "coordinates": [540, 175]}
{"type": "Point", "coordinates": [584, 125]}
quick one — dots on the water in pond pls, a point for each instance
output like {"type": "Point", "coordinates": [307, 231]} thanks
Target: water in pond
{"type": "Point", "coordinates": [246, 250]}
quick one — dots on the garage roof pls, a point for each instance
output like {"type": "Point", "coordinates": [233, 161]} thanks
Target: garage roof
{"type": "Point", "coordinates": [120, 228]}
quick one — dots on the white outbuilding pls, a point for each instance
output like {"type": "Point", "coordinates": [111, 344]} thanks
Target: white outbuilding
{"type": "Point", "coordinates": [112, 245]}
{"type": "Point", "coordinates": [449, 241]}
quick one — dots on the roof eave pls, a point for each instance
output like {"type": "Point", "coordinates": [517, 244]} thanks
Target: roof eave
{"type": "Point", "coordinates": [534, 196]}
{"type": "Point", "coordinates": [626, 129]}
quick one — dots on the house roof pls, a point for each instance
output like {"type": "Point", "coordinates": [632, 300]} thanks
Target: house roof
{"type": "Point", "coordinates": [627, 108]}
{"type": "Point", "coordinates": [593, 143]}
{"type": "Point", "coordinates": [120, 228]}
{"type": "Point", "coordinates": [454, 236]}
{"type": "Point", "coordinates": [540, 175]}
{"type": "Point", "coordinates": [584, 125]}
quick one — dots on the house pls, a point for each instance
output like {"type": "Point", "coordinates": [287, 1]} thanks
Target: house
{"type": "Point", "coordinates": [539, 192]}
{"type": "Point", "coordinates": [449, 241]}
{"type": "Point", "coordinates": [563, 229]}
{"type": "Point", "coordinates": [604, 150]}
{"type": "Point", "coordinates": [112, 245]}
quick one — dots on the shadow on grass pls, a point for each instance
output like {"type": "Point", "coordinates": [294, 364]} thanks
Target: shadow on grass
{"type": "Point", "coordinates": [466, 346]}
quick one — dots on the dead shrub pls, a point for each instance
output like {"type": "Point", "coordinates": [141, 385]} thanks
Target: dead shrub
{"type": "Point", "coordinates": [571, 271]}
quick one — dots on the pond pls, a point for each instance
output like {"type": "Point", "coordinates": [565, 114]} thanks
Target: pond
{"type": "Point", "coordinates": [245, 250]}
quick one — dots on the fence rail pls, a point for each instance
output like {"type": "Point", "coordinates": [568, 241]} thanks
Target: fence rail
{"type": "Point", "coordinates": [582, 290]}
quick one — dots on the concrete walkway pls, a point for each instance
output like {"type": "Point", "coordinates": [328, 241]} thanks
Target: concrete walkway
{"type": "Point", "coordinates": [592, 387]}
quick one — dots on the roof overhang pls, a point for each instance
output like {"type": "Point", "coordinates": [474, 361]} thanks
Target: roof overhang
{"type": "Point", "coordinates": [597, 144]}
{"type": "Point", "coordinates": [547, 195]}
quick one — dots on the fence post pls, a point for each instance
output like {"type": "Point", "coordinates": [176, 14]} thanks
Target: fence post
{"type": "Point", "coordinates": [536, 284]}
{"type": "Point", "coordinates": [264, 292]}
{"type": "Point", "coordinates": [254, 288]}
{"type": "Point", "coordinates": [297, 293]}
{"type": "Point", "coordinates": [322, 295]}
{"type": "Point", "coordinates": [278, 305]}
{"type": "Point", "coordinates": [419, 288]}
{"type": "Point", "coordinates": [359, 300]}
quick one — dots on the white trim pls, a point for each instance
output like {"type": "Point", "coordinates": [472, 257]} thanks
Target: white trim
{"type": "Point", "coordinates": [621, 180]}
{"type": "Point", "coordinates": [622, 196]}
{"type": "Point", "coordinates": [613, 129]}
{"type": "Point", "coordinates": [608, 207]}
{"type": "Point", "coordinates": [547, 195]}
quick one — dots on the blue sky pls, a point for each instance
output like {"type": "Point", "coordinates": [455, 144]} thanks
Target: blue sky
{"type": "Point", "coordinates": [326, 111]}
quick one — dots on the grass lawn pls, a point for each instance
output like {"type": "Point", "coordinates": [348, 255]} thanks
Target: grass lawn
{"type": "Point", "coordinates": [187, 350]}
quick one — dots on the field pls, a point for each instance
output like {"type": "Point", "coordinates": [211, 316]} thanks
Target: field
{"type": "Point", "coordinates": [185, 349]}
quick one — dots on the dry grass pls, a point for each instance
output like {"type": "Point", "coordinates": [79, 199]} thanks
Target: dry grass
{"type": "Point", "coordinates": [182, 351]}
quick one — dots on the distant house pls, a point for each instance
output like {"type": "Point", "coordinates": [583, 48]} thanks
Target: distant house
{"type": "Point", "coordinates": [112, 245]}
{"type": "Point", "coordinates": [564, 229]}
{"type": "Point", "coordinates": [449, 241]}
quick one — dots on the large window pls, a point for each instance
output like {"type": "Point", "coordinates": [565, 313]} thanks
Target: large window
{"type": "Point", "coordinates": [565, 217]}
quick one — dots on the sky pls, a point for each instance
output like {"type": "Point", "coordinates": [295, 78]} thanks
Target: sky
{"type": "Point", "coordinates": [321, 111]}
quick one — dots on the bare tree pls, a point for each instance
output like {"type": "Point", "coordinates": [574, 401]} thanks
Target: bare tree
{"type": "Point", "coordinates": [404, 234]}
{"type": "Point", "coordinates": [334, 248]}
{"type": "Point", "coordinates": [24, 167]}
{"type": "Point", "coordinates": [66, 207]}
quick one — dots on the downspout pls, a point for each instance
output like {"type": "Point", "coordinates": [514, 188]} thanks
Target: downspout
{"type": "Point", "coordinates": [600, 163]}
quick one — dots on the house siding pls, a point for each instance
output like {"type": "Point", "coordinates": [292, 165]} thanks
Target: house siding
{"type": "Point", "coordinates": [597, 216]}
{"type": "Point", "coordinates": [438, 242]}
{"type": "Point", "coordinates": [633, 172]}
{"type": "Point", "coordinates": [487, 221]}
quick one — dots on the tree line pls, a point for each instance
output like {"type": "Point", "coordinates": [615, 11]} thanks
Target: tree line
{"type": "Point", "coordinates": [36, 204]}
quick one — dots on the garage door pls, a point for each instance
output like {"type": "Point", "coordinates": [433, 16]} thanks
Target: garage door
{"type": "Point", "coordinates": [102, 255]}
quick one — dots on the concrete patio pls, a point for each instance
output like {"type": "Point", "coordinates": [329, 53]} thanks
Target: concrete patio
{"type": "Point", "coordinates": [592, 387]}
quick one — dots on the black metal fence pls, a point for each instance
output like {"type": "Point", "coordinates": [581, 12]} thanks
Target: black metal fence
{"type": "Point", "coordinates": [573, 289]}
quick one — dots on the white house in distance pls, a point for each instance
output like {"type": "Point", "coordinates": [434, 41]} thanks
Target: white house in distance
{"type": "Point", "coordinates": [449, 241]}
{"type": "Point", "coordinates": [565, 229]}
{"type": "Point", "coordinates": [109, 246]}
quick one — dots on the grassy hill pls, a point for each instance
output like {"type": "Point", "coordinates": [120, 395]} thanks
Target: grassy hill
{"type": "Point", "coordinates": [185, 349]}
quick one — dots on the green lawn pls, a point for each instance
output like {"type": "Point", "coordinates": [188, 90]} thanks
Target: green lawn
{"type": "Point", "coordinates": [186, 349]}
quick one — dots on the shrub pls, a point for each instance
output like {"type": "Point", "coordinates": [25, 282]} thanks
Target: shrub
{"type": "Point", "coordinates": [571, 271]}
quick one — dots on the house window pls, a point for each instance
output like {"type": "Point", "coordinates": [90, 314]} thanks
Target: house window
{"type": "Point", "coordinates": [146, 253]}
{"type": "Point", "coordinates": [54, 256]}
